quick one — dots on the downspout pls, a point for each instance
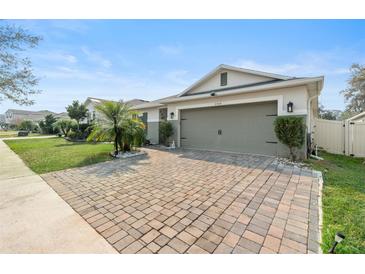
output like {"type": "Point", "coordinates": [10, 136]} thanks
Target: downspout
{"type": "Point", "coordinates": [309, 103]}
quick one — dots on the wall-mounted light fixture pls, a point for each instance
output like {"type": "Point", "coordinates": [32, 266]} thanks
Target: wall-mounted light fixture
{"type": "Point", "coordinates": [172, 115]}
{"type": "Point", "coordinates": [289, 107]}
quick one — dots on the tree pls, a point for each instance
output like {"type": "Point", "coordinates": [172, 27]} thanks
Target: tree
{"type": "Point", "coordinates": [329, 114]}
{"type": "Point", "coordinates": [17, 81]}
{"type": "Point", "coordinates": [166, 131]}
{"type": "Point", "coordinates": [65, 125]}
{"type": "Point", "coordinates": [46, 125]}
{"type": "Point", "coordinates": [290, 131]}
{"type": "Point", "coordinates": [133, 133]}
{"type": "Point", "coordinates": [77, 112]}
{"type": "Point", "coordinates": [117, 124]}
{"type": "Point", "coordinates": [355, 93]}
{"type": "Point", "coordinates": [27, 125]}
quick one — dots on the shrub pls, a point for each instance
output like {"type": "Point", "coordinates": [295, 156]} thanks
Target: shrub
{"type": "Point", "coordinates": [27, 125]}
{"type": "Point", "coordinates": [290, 131]}
{"type": "Point", "coordinates": [46, 125]}
{"type": "Point", "coordinates": [140, 138]}
{"type": "Point", "coordinates": [166, 131]}
{"type": "Point", "coordinates": [65, 126]}
{"type": "Point", "coordinates": [86, 129]}
{"type": "Point", "coordinates": [74, 135]}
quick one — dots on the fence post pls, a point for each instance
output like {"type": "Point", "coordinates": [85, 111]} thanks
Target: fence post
{"type": "Point", "coordinates": [347, 137]}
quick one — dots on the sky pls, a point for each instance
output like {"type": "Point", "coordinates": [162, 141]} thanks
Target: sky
{"type": "Point", "coordinates": [151, 59]}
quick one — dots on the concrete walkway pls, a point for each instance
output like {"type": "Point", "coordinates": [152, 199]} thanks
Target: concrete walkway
{"type": "Point", "coordinates": [28, 137]}
{"type": "Point", "coordinates": [34, 219]}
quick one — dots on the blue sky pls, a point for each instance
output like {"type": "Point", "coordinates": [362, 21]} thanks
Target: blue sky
{"type": "Point", "coordinates": [150, 59]}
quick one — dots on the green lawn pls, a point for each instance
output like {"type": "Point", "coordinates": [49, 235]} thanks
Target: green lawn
{"type": "Point", "coordinates": [45, 155]}
{"type": "Point", "coordinates": [343, 201]}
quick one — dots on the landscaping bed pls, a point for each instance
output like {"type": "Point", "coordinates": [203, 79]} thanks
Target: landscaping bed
{"type": "Point", "coordinates": [51, 154]}
{"type": "Point", "coordinates": [343, 201]}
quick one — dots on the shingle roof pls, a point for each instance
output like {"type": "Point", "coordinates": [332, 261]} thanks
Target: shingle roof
{"type": "Point", "coordinates": [25, 112]}
{"type": "Point", "coordinates": [133, 102]}
{"type": "Point", "coordinates": [236, 87]}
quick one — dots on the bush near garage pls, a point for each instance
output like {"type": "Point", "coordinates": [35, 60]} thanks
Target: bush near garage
{"type": "Point", "coordinates": [166, 131]}
{"type": "Point", "coordinates": [290, 130]}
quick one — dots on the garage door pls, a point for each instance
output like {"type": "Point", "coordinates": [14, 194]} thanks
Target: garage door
{"type": "Point", "coordinates": [237, 128]}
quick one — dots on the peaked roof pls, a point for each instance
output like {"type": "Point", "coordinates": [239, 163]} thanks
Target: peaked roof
{"type": "Point", "coordinates": [154, 103]}
{"type": "Point", "coordinates": [243, 70]}
{"type": "Point", "coordinates": [133, 102]}
{"type": "Point", "coordinates": [358, 116]}
{"type": "Point", "coordinates": [275, 81]}
{"type": "Point", "coordinates": [25, 112]}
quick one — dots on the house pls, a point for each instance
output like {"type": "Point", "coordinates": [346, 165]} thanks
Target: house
{"type": "Point", "coordinates": [358, 118]}
{"type": "Point", "coordinates": [233, 109]}
{"type": "Point", "coordinates": [16, 116]}
{"type": "Point", "coordinates": [92, 102]}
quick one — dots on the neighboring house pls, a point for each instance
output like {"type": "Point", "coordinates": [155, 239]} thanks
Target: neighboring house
{"type": "Point", "coordinates": [233, 109]}
{"type": "Point", "coordinates": [2, 121]}
{"type": "Point", "coordinates": [61, 115]}
{"type": "Point", "coordinates": [16, 116]}
{"type": "Point", "coordinates": [92, 102]}
{"type": "Point", "coordinates": [358, 118]}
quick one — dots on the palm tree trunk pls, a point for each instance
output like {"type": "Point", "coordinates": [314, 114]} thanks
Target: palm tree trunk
{"type": "Point", "coordinates": [120, 140]}
{"type": "Point", "coordinates": [116, 137]}
{"type": "Point", "coordinates": [116, 145]}
{"type": "Point", "coordinates": [292, 154]}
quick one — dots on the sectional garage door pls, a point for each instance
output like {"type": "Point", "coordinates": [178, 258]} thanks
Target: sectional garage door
{"type": "Point", "coordinates": [238, 128]}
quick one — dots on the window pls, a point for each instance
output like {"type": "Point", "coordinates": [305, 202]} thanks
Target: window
{"type": "Point", "coordinates": [224, 79]}
{"type": "Point", "coordinates": [163, 114]}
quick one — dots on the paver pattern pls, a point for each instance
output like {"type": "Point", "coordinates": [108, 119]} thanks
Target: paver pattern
{"type": "Point", "coordinates": [188, 201]}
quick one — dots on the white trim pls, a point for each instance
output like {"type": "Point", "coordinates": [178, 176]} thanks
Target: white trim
{"type": "Point", "coordinates": [357, 116]}
{"type": "Point", "coordinates": [227, 67]}
{"type": "Point", "coordinates": [152, 121]}
{"type": "Point", "coordinates": [288, 83]}
{"type": "Point", "coordinates": [278, 98]}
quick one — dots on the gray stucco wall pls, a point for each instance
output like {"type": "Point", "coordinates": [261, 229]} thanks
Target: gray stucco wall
{"type": "Point", "coordinates": [152, 132]}
{"type": "Point", "coordinates": [175, 124]}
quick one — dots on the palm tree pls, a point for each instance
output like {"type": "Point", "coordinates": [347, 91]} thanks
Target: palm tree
{"type": "Point", "coordinates": [133, 132]}
{"type": "Point", "coordinates": [117, 124]}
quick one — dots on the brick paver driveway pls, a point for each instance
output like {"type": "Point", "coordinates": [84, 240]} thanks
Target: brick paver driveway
{"type": "Point", "coordinates": [196, 202]}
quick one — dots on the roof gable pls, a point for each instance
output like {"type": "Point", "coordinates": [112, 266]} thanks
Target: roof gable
{"type": "Point", "coordinates": [236, 77]}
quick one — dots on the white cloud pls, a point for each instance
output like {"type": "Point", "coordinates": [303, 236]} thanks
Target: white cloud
{"type": "Point", "coordinates": [96, 57]}
{"type": "Point", "coordinates": [170, 49]}
{"type": "Point", "coordinates": [305, 64]}
{"type": "Point", "coordinates": [57, 56]}
{"type": "Point", "coordinates": [294, 69]}
{"type": "Point", "coordinates": [71, 73]}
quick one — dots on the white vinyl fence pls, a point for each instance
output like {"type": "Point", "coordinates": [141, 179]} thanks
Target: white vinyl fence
{"type": "Point", "coordinates": [356, 143]}
{"type": "Point", "coordinates": [340, 137]}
